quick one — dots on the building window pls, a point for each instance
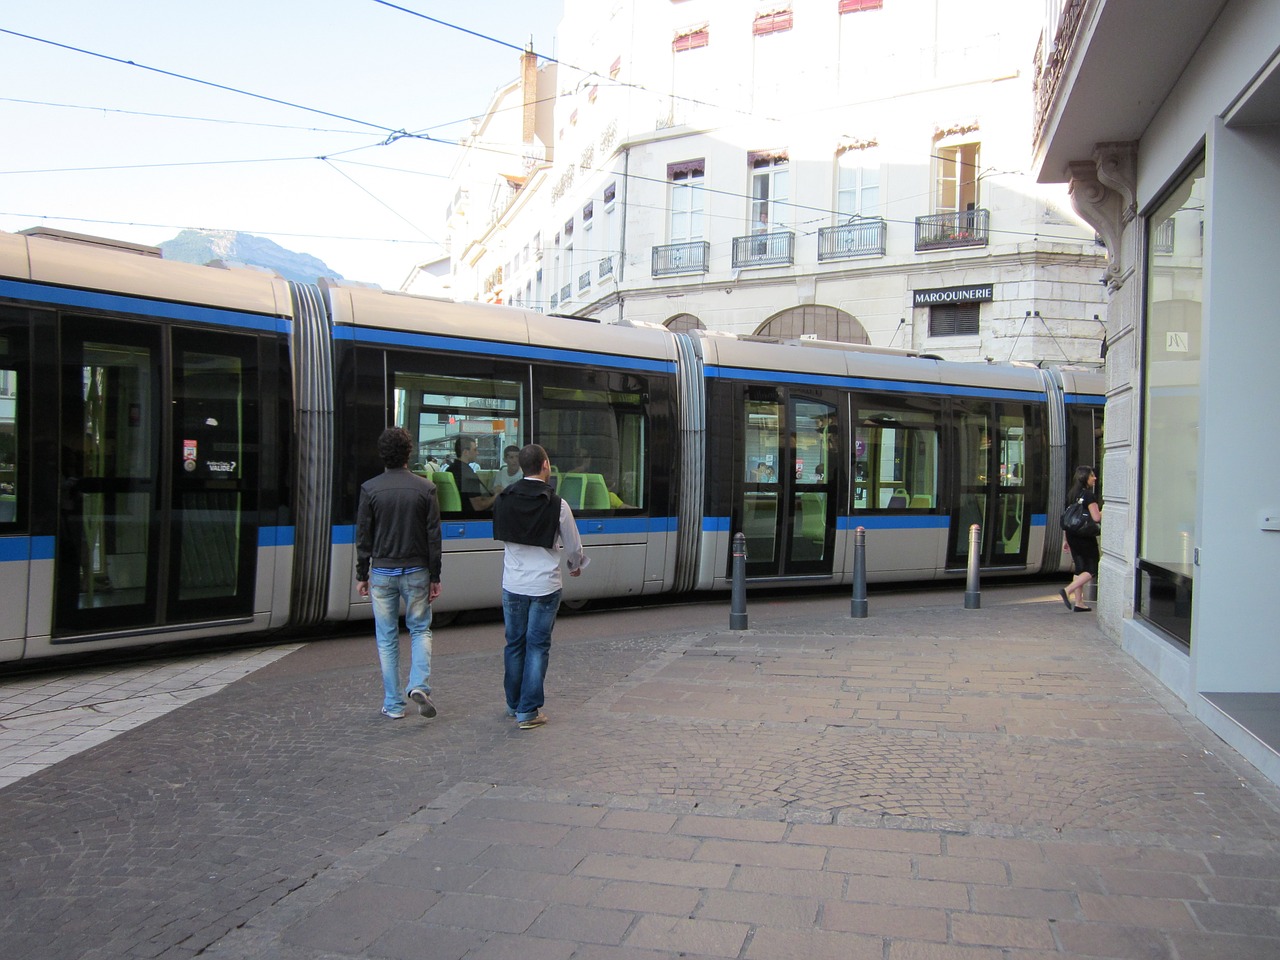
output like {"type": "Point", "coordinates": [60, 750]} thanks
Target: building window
{"type": "Point", "coordinates": [953, 320]}
{"type": "Point", "coordinates": [610, 192]}
{"type": "Point", "coordinates": [956, 178]}
{"type": "Point", "coordinates": [770, 190]}
{"type": "Point", "coordinates": [588, 211]}
{"type": "Point", "coordinates": [568, 229]}
{"type": "Point", "coordinates": [771, 23]}
{"type": "Point", "coordinates": [857, 6]}
{"type": "Point", "coordinates": [691, 39]}
{"type": "Point", "coordinates": [857, 184]}
{"type": "Point", "coordinates": [686, 181]}
{"type": "Point", "coordinates": [684, 322]}
{"type": "Point", "coordinates": [816, 320]}
{"type": "Point", "coordinates": [1171, 410]}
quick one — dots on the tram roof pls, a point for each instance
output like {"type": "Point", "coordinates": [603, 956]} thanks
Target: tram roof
{"type": "Point", "coordinates": [798, 357]}
{"type": "Point", "coordinates": [75, 260]}
{"type": "Point", "coordinates": [468, 320]}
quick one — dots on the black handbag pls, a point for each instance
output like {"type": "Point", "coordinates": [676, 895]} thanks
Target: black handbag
{"type": "Point", "coordinates": [1077, 521]}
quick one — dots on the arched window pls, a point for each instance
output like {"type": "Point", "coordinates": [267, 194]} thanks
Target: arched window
{"type": "Point", "coordinates": [683, 322]}
{"type": "Point", "coordinates": [825, 323]}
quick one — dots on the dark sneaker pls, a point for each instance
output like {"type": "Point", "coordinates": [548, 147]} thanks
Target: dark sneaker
{"type": "Point", "coordinates": [425, 706]}
{"type": "Point", "coordinates": [537, 720]}
{"type": "Point", "coordinates": [393, 714]}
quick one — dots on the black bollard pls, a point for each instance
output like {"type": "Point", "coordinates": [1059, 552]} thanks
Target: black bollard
{"type": "Point", "coordinates": [858, 608]}
{"type": "Point", "coordinates": [972, 594]}
{"type": "Point", "coordinates": [738, 601]}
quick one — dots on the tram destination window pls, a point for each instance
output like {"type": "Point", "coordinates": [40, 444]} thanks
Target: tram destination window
{"type": "Point", "coordinates": [895, 458]}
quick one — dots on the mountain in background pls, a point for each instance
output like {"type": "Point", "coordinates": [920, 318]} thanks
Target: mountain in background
{"type": "Point", "coordinates": [201, 246]}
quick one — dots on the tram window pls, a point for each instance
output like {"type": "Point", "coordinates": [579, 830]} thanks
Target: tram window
{"type": "Point", "coordinates": [8, 436]}
{"type": "Point", "coordinates": [443, 412]}
{"type": "Point", "coordinates": [895, 458]}
{"type": "Point", "coordinates": [596, 433]}
{"type": "Point", "coordinates": [1013, 449]}
{"type": "Point", "coordinates": [763, 442]}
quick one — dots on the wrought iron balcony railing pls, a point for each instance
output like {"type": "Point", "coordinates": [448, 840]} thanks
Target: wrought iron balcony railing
{"type": "Point", "coordinates": [764, 249]}
{"type": "Point", "coordinates": [584, 281]}
{"type": "Point", "coordinates": [675, 258]}
{"type": "Point", "coordinates": [861, 237]}
{"type": "Point", "coordinates": [566, 292]}
{"type": "Point", "coordinates": [964, 228]}
{"type": "Point", "coordinates": [606, 267]}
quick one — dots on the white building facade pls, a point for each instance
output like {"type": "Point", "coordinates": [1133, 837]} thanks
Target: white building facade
{"type": "Point", "coordinates": [854, 170]}
{"type": "Point", "coordinates": [1167, 130]}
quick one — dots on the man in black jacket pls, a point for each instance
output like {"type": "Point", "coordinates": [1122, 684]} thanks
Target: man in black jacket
{"type": "Point", "coordinates": [398, 551]}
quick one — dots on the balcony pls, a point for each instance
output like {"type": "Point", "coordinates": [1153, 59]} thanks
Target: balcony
{"type": "Point", "coordinates": [606, 267]}
{"type": "Point", "coordinates": [863, 237]}
{"type": "Point", "coordinates": [942, 231]}
{"type": "Point", "coordinates": [566, 292]}
{"type": "Point", "coordinates": [677, 258]}
{"type": "Point", "coordinates": [764, 250]}
{"type": "Point", "coordinates": [584, 281]}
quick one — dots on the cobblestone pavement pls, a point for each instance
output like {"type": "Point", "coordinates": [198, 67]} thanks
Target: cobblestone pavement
{"type": "Point", "coordinates": [926, 784]}
{"type": "Point", "coordinates": [48, 716]}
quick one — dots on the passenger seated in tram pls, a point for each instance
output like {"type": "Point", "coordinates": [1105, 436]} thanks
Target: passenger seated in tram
{"type": "Point", "coordinates": [476, 498]}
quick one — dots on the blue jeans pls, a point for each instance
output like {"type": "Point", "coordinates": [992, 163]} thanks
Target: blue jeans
{"type": "Point", "coordinates": [386, 592]}
{"type": "Point", "coordinates": [529, 622]}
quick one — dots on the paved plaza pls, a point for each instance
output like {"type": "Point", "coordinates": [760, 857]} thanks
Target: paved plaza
{"type": "Point", "coordinates": [929, 783]}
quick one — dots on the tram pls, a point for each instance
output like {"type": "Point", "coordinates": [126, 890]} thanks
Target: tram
{"type": "Point", "coordinates": [181, 448]}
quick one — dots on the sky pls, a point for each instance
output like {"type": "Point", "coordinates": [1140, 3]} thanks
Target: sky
{"type": "Point", "coordinates": [281, 118]}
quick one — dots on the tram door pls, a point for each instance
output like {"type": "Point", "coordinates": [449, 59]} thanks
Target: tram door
{"type": "Point", "coordinates": [157, 473]}
{"type": "Point", "coordinates": [989, 480]}
{"type": "Point", "coordinates": [789, 473]}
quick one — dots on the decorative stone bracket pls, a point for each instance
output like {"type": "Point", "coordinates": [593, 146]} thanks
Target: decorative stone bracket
{"type": "Point", "coordinates": [1103, 192]}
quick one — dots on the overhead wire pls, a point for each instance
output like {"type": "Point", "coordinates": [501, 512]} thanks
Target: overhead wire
{"type": "Point", "coordinates": [180, 226]}
{"type": "Point", "coordinates": [564, 63]}
{"type": "Point", "coordinates": [393, 134]}
{"type": "Point", "coordinates": [177, 116]}
{"type": "Point", "coordinates": [379, 200]}
{"type": "Point", "coordinates": [197, 80]}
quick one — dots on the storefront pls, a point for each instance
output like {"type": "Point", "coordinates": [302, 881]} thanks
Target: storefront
{"type": "Point", "coordinates": [1176, 164]}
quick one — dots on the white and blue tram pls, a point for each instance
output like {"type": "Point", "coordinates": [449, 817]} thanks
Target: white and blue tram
{"type": "Point", "coordinates": [181, 448]}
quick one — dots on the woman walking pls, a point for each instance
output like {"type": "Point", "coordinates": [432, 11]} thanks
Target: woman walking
{"type": "Point", "coordinates": [1084, 549]}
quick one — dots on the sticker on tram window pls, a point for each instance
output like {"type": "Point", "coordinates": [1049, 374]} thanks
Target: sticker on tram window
{"type": "Point", "coordinates": [189, 448]}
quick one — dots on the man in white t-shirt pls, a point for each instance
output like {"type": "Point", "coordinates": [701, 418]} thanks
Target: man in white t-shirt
{"type": "Point", "coordinates": [536, 527]}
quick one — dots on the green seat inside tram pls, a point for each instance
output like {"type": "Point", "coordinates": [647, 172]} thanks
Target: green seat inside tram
{"type": "Point", "coordinates": [596, 495]}
{"type": "Point", "coordinates": [447, 492]}
{"type": "Point", "coordinates": [584, 491]}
